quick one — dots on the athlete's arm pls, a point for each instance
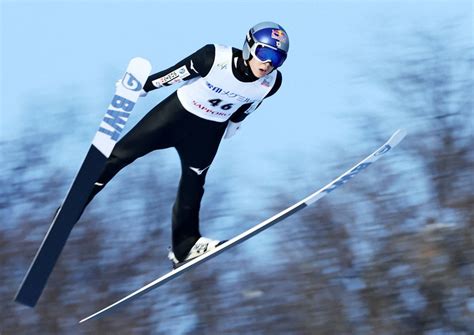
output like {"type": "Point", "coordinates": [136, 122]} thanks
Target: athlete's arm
{"type": "Point", "coordinates": [241, 113]}
{"type": "Point", "coordinates": [197, 64]}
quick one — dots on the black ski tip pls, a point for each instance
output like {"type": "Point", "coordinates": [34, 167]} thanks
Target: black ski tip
{"type": "Point", "coordinates": [23, 300]}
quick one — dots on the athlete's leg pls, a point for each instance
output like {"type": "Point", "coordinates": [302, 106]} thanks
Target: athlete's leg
{"type": "Point", "coordinates": [196, 152]}
{"type": "Point", "coordinates": [154, 131]}
{"type": "Point", "coordinates": [185, 218]}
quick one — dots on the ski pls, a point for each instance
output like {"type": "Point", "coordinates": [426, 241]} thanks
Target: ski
{"type": "Point", "coordinates": [126, 95]}
{"type": "Point", "coordinates": [341, 180]}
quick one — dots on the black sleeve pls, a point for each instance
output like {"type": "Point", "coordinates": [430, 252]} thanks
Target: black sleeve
{"type": "Point", "coordinates": [241, 113]}
{"type": "Point", "coordinates": [197, 64]}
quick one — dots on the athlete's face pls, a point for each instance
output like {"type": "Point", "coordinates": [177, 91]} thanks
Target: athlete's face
{"type": "Point", "coordinates": [260, 69]}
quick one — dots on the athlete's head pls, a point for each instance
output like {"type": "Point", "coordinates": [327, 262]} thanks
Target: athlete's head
{"type": "Point", "coordinates": [265, 48]}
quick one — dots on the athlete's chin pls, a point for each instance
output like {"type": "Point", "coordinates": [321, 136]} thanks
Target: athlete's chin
{"type": "Point", "coordinates": [260, 73]}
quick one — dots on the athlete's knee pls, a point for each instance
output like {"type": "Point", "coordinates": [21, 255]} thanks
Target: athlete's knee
{"type": "Point", "coordinates": [119, 158]}
{"type": "Point", "coordinates": [113, 165]}
{"type": "Point", "coordinates": [116, 162]}
{"type": "Point", "coordinates": [194, 176]}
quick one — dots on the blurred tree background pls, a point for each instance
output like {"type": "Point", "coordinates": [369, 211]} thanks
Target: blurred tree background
{"type": "Point", "coordinates": [392, 252]}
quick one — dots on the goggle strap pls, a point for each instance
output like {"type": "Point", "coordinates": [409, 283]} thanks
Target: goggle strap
{"type": "Point", "coordinates": [250, 39]}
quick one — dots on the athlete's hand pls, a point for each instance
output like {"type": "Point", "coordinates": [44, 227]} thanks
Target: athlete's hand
{"type": "Point", "coordinates": [231, 129]}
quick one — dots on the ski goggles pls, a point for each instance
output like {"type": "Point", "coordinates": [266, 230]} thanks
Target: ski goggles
{"type": "Point", "coordinates": [265, 53]}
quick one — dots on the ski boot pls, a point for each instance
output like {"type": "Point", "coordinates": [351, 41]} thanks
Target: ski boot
{"type": "Point", "coordinates": [202, 246]}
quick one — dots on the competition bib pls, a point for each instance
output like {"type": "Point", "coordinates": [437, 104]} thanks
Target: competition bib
{"type": "Point", "coordinates": [218, 95]}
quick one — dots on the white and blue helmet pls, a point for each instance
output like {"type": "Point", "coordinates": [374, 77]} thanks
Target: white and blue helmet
{"type": "Point", "coordinates": [267, 42]}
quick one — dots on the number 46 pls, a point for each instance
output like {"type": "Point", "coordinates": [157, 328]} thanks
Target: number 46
{"type": "Point", "coordinates": [216, 102]}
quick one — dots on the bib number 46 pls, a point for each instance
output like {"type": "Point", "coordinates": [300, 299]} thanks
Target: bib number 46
{"type": "Point", "coordinates": [217, 102]}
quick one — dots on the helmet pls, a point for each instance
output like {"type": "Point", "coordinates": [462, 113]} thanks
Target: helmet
{"type": "Point", "coordinates": [267, 41]}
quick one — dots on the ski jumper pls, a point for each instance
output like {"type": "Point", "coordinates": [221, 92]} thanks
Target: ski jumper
{"type": "Point", "coordinates": [218, 87]}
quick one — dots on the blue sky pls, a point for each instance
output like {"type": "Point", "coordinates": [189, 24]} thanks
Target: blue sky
{"type": "Point", "coordinates": [73, 51]}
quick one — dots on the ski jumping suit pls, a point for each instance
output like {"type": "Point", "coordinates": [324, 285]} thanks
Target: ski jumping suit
{"type": "Point", "coordinates": [218, 86]}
